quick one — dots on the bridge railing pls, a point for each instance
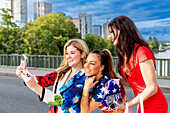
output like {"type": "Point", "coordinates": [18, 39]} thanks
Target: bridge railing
{"type": "Point", "coordinates": [35, 61]}
{"type": "Point", "coordinates": [53, 62]}
{"type": "Point", "coordinates": [163, 68]}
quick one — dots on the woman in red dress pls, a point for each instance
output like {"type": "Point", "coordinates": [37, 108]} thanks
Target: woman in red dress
{"type": "Point", "coordinates": [136, 64]}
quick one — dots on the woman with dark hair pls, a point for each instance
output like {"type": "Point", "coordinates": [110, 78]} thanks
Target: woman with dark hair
{"type": "Point", "coordinates": [136, 63]}
{"type": "Point", "coordinates": [99, 70]}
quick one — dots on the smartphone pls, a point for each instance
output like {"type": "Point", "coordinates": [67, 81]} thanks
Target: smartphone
{"type": "Point", "coordinates": [23, 61]}
{"type": "Point", "coordinates": [23, 64]}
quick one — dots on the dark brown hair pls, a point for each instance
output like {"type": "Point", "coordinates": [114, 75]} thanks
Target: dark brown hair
{"type": "Point", "coordinates": [105, 57]}
{"type": "Point", "coordinates": [129, 36]}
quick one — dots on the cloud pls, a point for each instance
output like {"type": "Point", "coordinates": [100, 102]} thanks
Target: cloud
{"type": "Point", "coordinates": [153, 23]}
{"type": "Point", "coordinates": [140, 11]}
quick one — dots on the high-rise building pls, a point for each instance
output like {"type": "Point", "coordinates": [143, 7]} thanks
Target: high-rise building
{"type": "Point", "coordinates": [85, 24]}
{"type": "Point", "coordinates": [41, 8]}
{"type": "Point", "coordinates": [19, 10]}
{"type": "Point", "coordinates": [76, 22]}
{"type": "Point", "coordinates": [97, 29]}
{"type": "Point", "coordinates": [105, 31]}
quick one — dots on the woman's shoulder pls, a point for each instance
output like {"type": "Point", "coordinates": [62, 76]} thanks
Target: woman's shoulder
{"type": "Point", "coordinates": [143, 53]}
{"type": "Point", "coordinates": [143, 48]}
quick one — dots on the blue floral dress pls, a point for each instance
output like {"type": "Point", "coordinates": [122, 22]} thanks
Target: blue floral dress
{"type": "Point", "coordinates": [72, 92]}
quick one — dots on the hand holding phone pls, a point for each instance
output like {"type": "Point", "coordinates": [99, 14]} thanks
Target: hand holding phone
{"type": "Point", "coordinates": [23, 64]}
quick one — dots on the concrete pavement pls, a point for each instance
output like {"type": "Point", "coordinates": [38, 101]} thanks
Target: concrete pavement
{"type": "Point", "coordinates": [164, 84]}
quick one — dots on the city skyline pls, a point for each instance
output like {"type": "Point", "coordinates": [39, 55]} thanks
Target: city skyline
{"type": "Point", "coordinates": [151, 14]}
{"type": "Point", "coordinates": [145, 13]}
{"type": "Point", "coordinates": [152, 17]}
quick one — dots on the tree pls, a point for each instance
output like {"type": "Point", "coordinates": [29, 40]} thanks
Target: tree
{"type": "Point", "coordinates": [9, 33]}
{"type": "Point", "coordinates": [109, 45]}
{"type": "Point", "coordinates": [96, 42]}
{"type": "Point", "coordinates": [48, 34]}
{"type": "Point", "coordinates": [162, 43]}
{"type": "Point", "coordinates": [155, 43]}
{"type": "Point", "coordinates": [150, 43]}
{"type": "Point", "coordinates": [150, 38]}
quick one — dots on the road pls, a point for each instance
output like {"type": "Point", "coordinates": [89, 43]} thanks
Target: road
{"type": "Point", "coordinates": [17, 98]}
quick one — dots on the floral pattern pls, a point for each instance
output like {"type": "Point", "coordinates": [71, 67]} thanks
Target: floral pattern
{"type": "Point", "coordinates": [72, 92]}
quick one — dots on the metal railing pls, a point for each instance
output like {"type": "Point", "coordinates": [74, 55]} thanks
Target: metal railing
{"type": "Point", "coordinates": [163, 68]}
{"type": "Point", "coordinates": [53, 62]}
{"type": "Point", "coordinates": [36, 61]}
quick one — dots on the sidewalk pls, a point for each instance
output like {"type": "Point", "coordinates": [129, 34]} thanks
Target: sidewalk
{"type": "Point", "coordinates": [164, 84]}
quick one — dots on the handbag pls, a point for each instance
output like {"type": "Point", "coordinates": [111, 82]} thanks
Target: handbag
{"type": "Point", "coordinates": [141, 105]}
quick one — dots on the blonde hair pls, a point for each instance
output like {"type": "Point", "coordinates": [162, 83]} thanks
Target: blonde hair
{"type": "Point", "coordinates": [81, 46]}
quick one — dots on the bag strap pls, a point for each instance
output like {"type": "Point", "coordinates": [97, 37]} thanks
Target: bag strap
{"type": "Point", "coordinates": [141, 103]}
{"type": "Point", "coordinates": [126, 108]}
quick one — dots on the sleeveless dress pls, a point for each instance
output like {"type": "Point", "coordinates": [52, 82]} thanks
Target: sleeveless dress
{"type": "Point", "coordinates": [156, 103]}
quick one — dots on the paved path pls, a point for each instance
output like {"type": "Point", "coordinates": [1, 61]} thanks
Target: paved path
{"type": "Point", "coordinates": [10, 71]}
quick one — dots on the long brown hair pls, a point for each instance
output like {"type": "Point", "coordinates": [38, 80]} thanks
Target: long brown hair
{"type": "Point", "coordinates": [129, 36]}
{"type": "Point", "coordinates": [81, 46]}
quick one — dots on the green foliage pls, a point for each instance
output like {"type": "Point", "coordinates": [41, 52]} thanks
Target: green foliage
{"type": "Point", "coordinates": [150, 43]}
{"type": "Point", "coordinates": [150, 38]}
{"type": "Point", "coordinates": [9, 33]}
{"type": "Point", "coordinates": [97, 42]}
{"type": "Point", "coordinates": [162, 43]}
{"type": "Point", "coordinates": [48, 34]}
{"type": "Point", "coordinates": [154, 44]}
{"type": "Point", "coordinates": [58, 100]}
{"type": "Point", "coordinates": [6, 17]}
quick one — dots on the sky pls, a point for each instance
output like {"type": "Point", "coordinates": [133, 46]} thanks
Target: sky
{"type": "Point", "coordinates": [145, 13]}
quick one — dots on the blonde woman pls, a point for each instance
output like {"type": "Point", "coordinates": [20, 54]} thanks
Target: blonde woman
{"type": "Point", "coordinates": [71, 69]}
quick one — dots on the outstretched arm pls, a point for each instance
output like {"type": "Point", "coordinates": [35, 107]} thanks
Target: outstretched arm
{"type": "Point", "coordinates": [45, 94]}
{"type": "Point", "coordinates": [30, 82]}
{"type": "Point", "coordinates": [47, 80]}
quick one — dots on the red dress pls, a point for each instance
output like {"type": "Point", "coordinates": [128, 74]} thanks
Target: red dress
{"type": "Point", "coordinates": [155, 104]}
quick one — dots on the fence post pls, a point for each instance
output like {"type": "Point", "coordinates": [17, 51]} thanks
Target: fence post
{"type": "Point", "coordinates": [7, 60]}
{"type": "Point", "coordinates": [45, 62]}
{"type": "Point", "coordinates": [36, 61]}
{"type": "Point", "coordinates": [160, 68]}
{"type": "Point", "coordinates": [168, 68]}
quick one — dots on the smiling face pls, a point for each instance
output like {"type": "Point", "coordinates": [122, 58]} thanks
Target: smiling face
{"type": "Point", "coordinates": [73, 56]}
{"type": "Point", "coordinates": [93, 65]}
{"type": "Point", "coordinates": [114, 35]}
